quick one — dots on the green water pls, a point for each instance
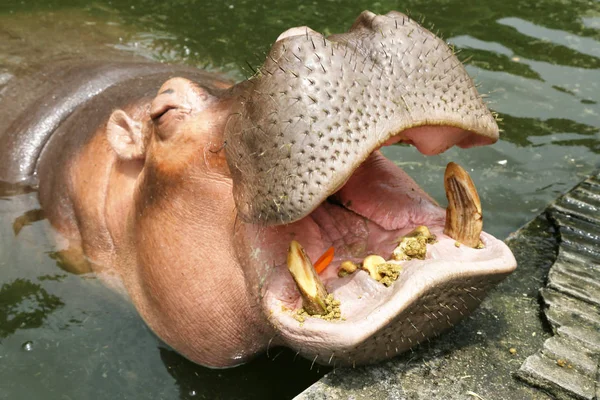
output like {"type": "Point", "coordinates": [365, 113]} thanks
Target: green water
{"type": "Point", "coordinates": [67, 337]}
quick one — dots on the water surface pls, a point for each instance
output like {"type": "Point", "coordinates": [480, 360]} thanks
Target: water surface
{"type": "Point", "coordinates": [67, 337]}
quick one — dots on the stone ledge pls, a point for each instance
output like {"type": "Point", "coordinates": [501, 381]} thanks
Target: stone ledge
{"type": "Point", "coordinates": [480, 357]}
{"type": "Point", "coordinates": [562, 382]}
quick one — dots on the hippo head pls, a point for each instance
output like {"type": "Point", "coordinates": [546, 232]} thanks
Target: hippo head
{"type": "Point", "coordinates": [239, 186]}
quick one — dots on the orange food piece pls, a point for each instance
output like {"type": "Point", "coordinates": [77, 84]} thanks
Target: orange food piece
{"type": "Point", "coordinates": [324, 260]}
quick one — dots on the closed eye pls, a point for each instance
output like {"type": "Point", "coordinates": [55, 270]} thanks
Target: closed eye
{"type": "Point", "coordinates": [156, 114]}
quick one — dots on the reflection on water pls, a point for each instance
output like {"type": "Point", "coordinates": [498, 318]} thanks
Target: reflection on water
{"type": "Point", "coordinates": [264, 378]}
{"type": "Point", "coordinates": [67, 336]}
{"type": "Point", "coordinates": [24, 305]}
{"type": "Point", "coordinates": [550, 127]}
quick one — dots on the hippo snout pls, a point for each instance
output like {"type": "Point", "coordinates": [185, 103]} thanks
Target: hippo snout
{"type": "Point", "coordinates": [320, 105]}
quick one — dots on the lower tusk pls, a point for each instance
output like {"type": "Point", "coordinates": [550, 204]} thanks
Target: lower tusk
{"type": "Point", "coordinates": [309, 284]}
{"type": "Point", "coordinates": [464, 220]}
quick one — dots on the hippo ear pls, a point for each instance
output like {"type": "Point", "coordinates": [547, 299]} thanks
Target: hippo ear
{"type": "Point", "coordinates": [125, 136]}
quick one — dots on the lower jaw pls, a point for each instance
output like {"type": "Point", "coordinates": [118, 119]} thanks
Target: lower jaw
{"type": "Point", "coordinates": [378, 322]}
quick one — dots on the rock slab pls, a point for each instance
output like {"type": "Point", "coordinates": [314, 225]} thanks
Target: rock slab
{"type": "Point", "coordinates": [536, 336]}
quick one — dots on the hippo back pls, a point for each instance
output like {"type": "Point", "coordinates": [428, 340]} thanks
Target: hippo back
{"type": "Point", "coordinates": [78, 94]}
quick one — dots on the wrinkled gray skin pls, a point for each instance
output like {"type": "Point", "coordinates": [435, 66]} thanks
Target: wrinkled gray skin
{"type": "Point", "coordinates": [343, 96]}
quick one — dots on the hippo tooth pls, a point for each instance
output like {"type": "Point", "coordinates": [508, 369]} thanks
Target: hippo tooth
{"type": "Point", "coordinates": [309, 284]}
{"type": "Point", "coordinates": [347, 268]}
{"type": "Point", "coordinates": [371, 264]}
{"type": "Point", "coordinates": [385, 272]}
{"type": "Point", "coordinates": [464, 220]}
{"type": "Point", "coordinates": [414, 244]}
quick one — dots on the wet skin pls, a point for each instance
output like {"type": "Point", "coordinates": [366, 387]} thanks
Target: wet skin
{"type": "Point", "coordinates": [184, 191]}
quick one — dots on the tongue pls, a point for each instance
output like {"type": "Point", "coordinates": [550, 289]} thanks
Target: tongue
{"type": "Point", "coordinates": [382, 192]}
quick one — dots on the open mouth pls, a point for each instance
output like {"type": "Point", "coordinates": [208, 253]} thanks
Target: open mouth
{"type": "Point", "coordinates": [302, 148]}
{"type": "Point", "coordinates": [403, 269]}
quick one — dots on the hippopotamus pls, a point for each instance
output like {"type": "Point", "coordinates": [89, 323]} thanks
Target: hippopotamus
{"type": "Point", "coordinates": [210, 203]}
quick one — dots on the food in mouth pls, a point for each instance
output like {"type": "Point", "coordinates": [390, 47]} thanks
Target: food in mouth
{"type": "Point", "coordinates": [464, 223]}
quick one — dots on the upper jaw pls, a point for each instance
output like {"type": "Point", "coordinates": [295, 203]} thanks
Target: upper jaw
{"type": "Point", "coordinates": [319, 106]}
